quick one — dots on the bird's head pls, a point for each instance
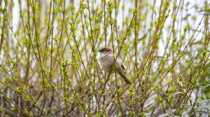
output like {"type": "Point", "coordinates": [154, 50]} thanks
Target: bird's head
{"type": "Point", "coordinates": [105, 50]}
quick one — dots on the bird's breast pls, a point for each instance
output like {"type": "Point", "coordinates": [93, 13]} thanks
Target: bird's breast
{"type": "Point", "coordinates": [106, 63]}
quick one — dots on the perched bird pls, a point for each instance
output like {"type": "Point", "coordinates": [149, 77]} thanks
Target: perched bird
{"type": "Point", "coordinates": [107, 63]}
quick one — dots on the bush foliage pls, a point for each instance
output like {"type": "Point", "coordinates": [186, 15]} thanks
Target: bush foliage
{"type": "Point", "coordinates": [49, 61]}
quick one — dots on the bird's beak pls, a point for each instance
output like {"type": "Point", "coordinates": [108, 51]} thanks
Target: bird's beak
{"type": "Point", "coordinates": [100, 50]}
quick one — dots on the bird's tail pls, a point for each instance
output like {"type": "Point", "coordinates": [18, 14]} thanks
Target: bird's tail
{"type": "Point", "coordinates": [124, 77]}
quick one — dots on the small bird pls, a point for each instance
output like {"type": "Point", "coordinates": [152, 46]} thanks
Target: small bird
{"type": "Point", "coordinates": [107, 62]}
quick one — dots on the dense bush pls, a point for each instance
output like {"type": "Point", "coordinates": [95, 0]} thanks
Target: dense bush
{"type": "Point", "coordinates": [49, 60]}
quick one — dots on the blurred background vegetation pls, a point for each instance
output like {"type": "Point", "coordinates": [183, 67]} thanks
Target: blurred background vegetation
{"type": "Point", "coordinates": [49, 60]}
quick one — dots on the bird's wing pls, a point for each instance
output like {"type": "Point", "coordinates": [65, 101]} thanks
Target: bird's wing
{"type": "Point", "coordinates": [121, 63]}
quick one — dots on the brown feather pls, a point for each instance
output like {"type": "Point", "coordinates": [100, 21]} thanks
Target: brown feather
{"type": "Point", "coordinates": [124, 77]}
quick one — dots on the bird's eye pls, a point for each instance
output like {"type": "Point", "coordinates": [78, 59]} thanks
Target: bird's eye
{"type": "Point", "coordinates": [101, 50]}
